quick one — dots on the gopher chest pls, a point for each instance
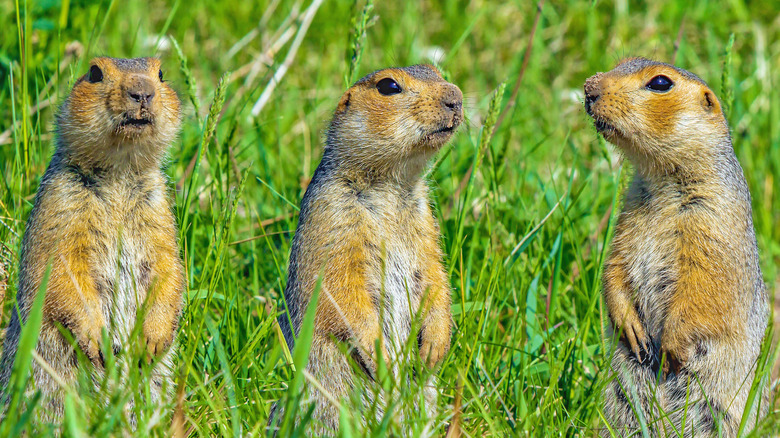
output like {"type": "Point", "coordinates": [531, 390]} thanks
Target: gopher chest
{"type": "Point", "coordinates": [651, 275]}
{"type": "Point", "coordinates": [123, 267]}
{"type": "Point", "coordinates": [400, 300]}
{"type": "Point", "coordinates": [648, 239]}
{"type": "Point", "coordinates": [124, 279]}
{"type": "Point", "coordinates": [401, 271]}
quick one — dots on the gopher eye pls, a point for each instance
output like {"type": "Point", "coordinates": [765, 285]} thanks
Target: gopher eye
{"type": "Point", "coordinates": [95, 74]}
{"type": "Point", "coordinates": [388, 86]}
{"type": "Point", "coordinates": [660, 83]}
{"type": "Point", "coordinates": [159, 75]}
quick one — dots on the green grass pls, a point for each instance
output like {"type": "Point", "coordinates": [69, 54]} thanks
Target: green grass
{"type": "Point", "coordinates": [525, 233]}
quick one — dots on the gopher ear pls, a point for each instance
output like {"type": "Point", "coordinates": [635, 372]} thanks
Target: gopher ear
{"type": "Point", "coordinates": [710, 102]}
{"type": "Point", "coordinates": [343, 103]}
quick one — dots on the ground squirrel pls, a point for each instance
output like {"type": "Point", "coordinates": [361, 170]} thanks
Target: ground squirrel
{"type": "Point", "coordinates": [103, 221]}
{"type": "Point", "coordinates": [367, 232]}
{"type": "Point", "coordinates": [682, 284]}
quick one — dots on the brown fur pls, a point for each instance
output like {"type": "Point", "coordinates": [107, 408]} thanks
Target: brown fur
{"type": "Point", "coordinates": [367, 227]}
{"type": "Point", "coordinates": [103, 220]}
{"type": "Point", "coordinates": [682, 284]}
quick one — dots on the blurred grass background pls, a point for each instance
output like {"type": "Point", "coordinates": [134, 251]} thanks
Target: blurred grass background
{"type": "Point", "coordinates": [528, 344]}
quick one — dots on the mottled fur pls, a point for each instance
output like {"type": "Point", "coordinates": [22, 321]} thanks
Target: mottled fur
{"type": "Point", "coordinates": [682, 284]}
{"type": "Point", "coordinates": [367, 227]}
{"type": "Point", "coordinates": [103, 220]}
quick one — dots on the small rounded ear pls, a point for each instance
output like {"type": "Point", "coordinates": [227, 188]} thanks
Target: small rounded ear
{"type": "Point", "coordinates": [709, 102]}
{"type": "Point", "coordinates": [343, 103]}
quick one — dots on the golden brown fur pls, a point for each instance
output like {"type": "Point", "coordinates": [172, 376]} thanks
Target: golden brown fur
{"type": "Point", "coordinates": [682, 284]}
{"type": "Point", "coordinates": [102, 220]}
{"type": "Point", "coordinates": [367, 231]}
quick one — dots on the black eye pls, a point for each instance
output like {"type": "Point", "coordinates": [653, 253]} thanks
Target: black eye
{"type": "Point", "coordinates": [159, 75]}
{"type": "Point", "coordinates": [388, 86]}
{"type": "Point", "coordinates": [95, 74]}
{"type": "Point", "coordinates": [660, 83]}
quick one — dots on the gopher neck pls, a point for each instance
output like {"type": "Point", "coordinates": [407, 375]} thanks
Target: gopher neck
{"type": "Point", "coordinates": [374, 172]}
{"type": "Point", "coordinates": [368, 183]}
{"type": "Point", "coordinates": [93, 174]}
{"type": "Point", "coordinates": [709, 160]}
{"type": "Point", "coordinates": [89, 154]}
{"type": "Point", "coordinates": [714, 188]}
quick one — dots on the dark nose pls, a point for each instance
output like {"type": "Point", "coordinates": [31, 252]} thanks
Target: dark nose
{"type": "Point", "coordinates": [590, 100]}
{"type": "Point", "coordinates": [592, 91]}
{"type": "Point", "coordinates": [140, 91]}
{"type": "Point", "coordinates": [452, 99]}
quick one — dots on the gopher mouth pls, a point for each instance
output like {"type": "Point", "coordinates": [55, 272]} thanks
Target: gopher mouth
{"type": "Point", "coordinates": [439, 136]}
{"type": "Point", "coordinates": [603, 126]}
{"type": "Point", "coordinates": [444, 130]}
{"type": "Point", "coordinates": [135, 123]}
{"type": "Point", "coordinates": [447, 127]}
{"type": "Point", "coordinates": [606, 129]}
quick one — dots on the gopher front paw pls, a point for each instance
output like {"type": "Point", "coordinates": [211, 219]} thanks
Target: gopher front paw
{"type": "Point", "coordinates": [89, 340]}
{"type": "Point", "coordinates": [434, 345]}
{"type": "Point", "coordinates": [158, 335]}
{"type": "Point", "coordinates": [157, 343]}
{"type": "Point", "coordinates": [675, 356]}
{"type": "Point", "coordinates": [636, 337]}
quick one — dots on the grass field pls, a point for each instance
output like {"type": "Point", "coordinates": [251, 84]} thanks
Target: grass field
{"type": "Point", "coordinates": [525, 215]}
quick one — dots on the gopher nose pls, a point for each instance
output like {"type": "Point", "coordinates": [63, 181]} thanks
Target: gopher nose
{"type": "Point", "coordinates": [452, 99]}
{"type": "Point", "coordinates": [592, 91]}
{"type": "Point", "coordinates": [589, 101]}
{"type": "Point", "coordinates": [140, 91]}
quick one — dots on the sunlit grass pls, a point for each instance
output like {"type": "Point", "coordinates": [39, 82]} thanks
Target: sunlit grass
{"type": "Point", "coordinates": [525, 215]}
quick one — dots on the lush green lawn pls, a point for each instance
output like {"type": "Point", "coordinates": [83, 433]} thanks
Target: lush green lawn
{"type": "Point", "coordinates": [524, 234]}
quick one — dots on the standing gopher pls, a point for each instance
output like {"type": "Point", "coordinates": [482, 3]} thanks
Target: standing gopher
{"type": "Point", "coordinates": [682, 285]}
{"type": "Point", "coordinates": [102, 220]}
{"type": "Point", "coordinates": [366, 231]}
